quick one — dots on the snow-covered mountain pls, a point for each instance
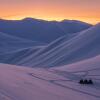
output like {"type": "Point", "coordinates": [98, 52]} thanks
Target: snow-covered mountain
{"type": "Point", "coordinates": [62, 51]}
{"type": "Point", "coordinates": [41, 30]}
{"type": "Point", "coordinates": [77, 54]}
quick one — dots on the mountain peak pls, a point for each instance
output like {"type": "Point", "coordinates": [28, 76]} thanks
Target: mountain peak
{"type": "Point", "coordinates": [28, 18]}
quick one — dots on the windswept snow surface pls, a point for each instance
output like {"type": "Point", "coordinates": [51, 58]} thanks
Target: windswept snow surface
{"type": "Point", "coordinates": [26, 54]}
{"type": "Point", "coordinates": [92, 63]}
{"type": "Point", "coordinates": [17, 55]}
{"type": "Point", "coordinates": [10, 43]}
{"type": "Point", "coordinates": [23, 83]}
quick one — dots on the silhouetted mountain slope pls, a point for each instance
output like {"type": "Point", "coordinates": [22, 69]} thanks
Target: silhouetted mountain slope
{"type": "Point", "coordinates": [41, 30]}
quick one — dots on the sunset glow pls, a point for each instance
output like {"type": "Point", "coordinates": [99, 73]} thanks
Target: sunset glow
{"type": "Point", "coordinates": [84, 10]}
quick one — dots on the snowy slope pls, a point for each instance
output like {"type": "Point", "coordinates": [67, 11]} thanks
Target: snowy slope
{"type": "Point", "coordinates": [22, 83]}
{"type": "Point", "coordinates": [82, 66]}
{"type": "Point", "coordinates": [63, 51]}
{"type": "Point", "coordinates": [15, 56]}
{"type": "Point", "coordinates": [26, 53]}
{"type": "Point", "coordinates": [10, 43]}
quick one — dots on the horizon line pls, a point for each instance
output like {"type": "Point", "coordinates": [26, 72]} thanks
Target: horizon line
{"type": "Point", "coordinates": [49, 20]}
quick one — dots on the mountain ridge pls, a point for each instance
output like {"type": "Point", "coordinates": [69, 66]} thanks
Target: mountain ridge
{"type": "Point", "coordinates": [41, 30]}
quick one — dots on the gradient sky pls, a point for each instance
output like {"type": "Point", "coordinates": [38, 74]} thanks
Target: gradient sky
{"type": "Point", "coordinates": [84, 10]}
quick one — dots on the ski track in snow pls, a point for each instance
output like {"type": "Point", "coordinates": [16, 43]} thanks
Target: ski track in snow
{"type": "Point", "coordinates": [70, 77]}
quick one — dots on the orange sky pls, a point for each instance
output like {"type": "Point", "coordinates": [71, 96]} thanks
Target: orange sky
{"type": "Point", "coordinates": [84, 10]}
